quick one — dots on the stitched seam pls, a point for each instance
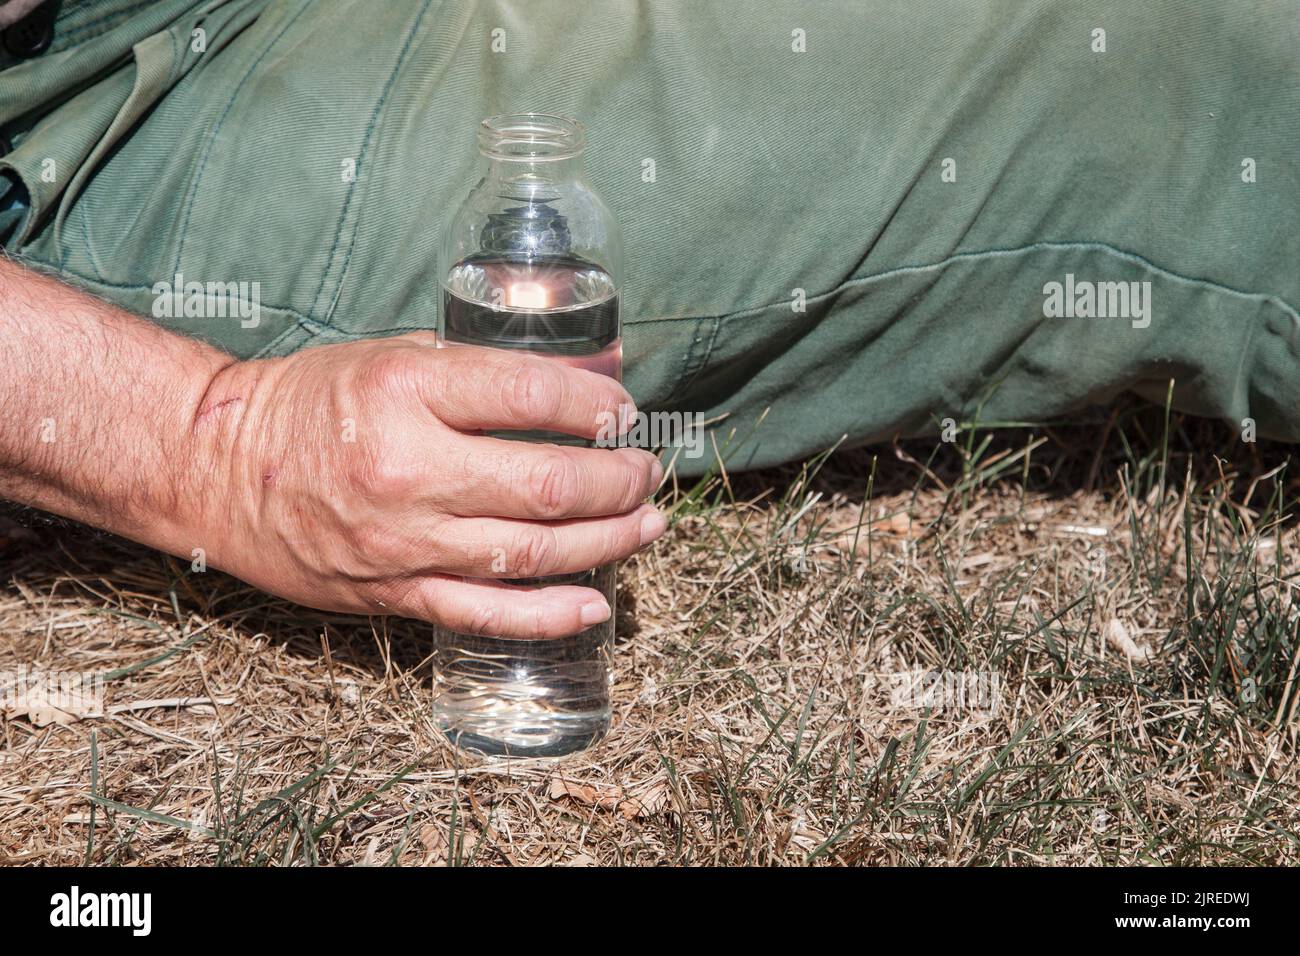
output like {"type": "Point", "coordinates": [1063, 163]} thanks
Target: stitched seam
{"type": "Point", "coordinates": [689, 360]}
{"type": "Point", "coordinates": [1277, 301]}
{"type": "Point", "coordinates": [361, 157]}
{"type": "Point", "coordinates": [192, 195]}
{"type": "Point", "coordinates": [862, 280]}
{"type": "Point", "coordinates": [312, 325]}
{"type": "Point", "coordinates": [692, 369]}
{"type": "Point", "coordinates": [269, 346]}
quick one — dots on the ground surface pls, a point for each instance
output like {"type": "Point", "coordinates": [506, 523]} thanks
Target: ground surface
{"type": "Point", "coordinates": [1107, 611]}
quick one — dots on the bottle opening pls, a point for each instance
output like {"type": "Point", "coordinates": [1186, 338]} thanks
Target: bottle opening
{"type": "Point", "coordinates": [531, 137]}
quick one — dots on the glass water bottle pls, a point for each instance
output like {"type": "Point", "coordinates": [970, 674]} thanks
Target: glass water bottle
{"type": "Point", "coordinates": [530, 263]}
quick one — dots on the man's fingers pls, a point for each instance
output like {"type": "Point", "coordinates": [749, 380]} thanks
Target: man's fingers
{"type": "Point", "coordinates": [492, 609]}
{"type": "Point", "coordinates": [510, 479]}
{"type": "Point", "coordinates": [502, 548]}
{"type": "Point", "coordinates": [480, 389]}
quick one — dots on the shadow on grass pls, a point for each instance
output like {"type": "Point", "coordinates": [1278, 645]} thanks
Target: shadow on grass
{"type": "Point", "coordinates": [1128, 449]}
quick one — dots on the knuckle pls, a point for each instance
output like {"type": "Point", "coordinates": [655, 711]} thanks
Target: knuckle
{"type": "Point", "coordinates": [538, 623]}
{"type": "Point", "coordinates": [635, 478]}
{"type": "Point", "coordinates": [534, 391]}
{"type": "Point", "coordinates": [554, 486]}
{"type": "Point", "coordinates": [534, 553]}
{"type": "Point", "coordinates": [372, 547]}
{"type": "Point", "coordinates": [381, 475]}
{"type": "Point", "coordinates": [485, 619]}
{"type": "Point", "coordinates": [624, 541]}
{"type": "Point", "coordinates": [388, 371]}
{"type": "Point", "coordinates": [628, 541]}
{"type": "Point", "coordinates": [609, 545]}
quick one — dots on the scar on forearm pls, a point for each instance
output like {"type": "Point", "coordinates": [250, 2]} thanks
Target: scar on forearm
{"type": "Point", "coordinates": [207, 411]}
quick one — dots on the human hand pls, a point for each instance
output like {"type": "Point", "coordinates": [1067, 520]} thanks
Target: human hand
{"type": "Point", "coordinates": [356, 478]}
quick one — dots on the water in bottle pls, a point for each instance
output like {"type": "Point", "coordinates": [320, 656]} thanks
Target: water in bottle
{"type": "Point", "coordinates": [534, 258]}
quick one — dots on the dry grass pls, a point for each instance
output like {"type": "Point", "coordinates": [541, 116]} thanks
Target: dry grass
{"type": "Point", "coordinates": [1128, 582]}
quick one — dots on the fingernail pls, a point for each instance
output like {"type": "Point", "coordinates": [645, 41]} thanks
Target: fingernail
{"type": "Point", "coordinates": [594, 613]}
{"type": "Point", "coordinates": [656, 473]}
{"type": "Point", "coordinates": [652, 526]}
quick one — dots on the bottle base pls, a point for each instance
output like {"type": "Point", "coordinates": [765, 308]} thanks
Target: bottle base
{"type": "Point", "coordinates": [550, 737]}
{"type": "Point", "coordinates": [518, 698]}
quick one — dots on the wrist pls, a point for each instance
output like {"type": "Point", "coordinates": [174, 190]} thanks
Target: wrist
{"type": "Point", "coordinates": [197, 495]}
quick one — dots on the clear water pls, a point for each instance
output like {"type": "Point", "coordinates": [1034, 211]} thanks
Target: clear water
{"type": "Point", "coordinates": [501, 696]}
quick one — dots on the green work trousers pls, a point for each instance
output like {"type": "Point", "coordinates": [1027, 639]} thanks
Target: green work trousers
{"type": "Point", "coordinates": [844, 218]}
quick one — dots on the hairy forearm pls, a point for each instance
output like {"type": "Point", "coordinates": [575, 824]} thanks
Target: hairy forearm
{"type": "Point", "coordinates": [97, 410]}
{"type": "Point", "coordinates": [351, 477]}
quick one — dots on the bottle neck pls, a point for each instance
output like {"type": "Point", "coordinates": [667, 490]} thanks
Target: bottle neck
{"type": "Point", "coordinates": [528, 179]}
{"type": "Point", "coordinates": [530, 151]}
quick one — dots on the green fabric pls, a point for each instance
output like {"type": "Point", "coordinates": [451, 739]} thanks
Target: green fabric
{"type": "Point", "coordinates": [775, 170]}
